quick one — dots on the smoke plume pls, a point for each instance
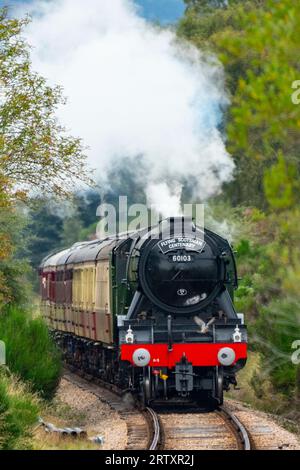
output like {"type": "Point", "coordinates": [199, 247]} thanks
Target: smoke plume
{"type": "Point", "coordinates": [134, 89]}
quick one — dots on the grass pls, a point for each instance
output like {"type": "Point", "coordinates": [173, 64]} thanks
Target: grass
{"type": "Point", "coordinates": [256, 388]}
{"type": "Point", "coordinates": [64, 413]}
{"type": "Point", "coordinates": [30, 352]}
{"type": "Point", "coordinates": [46, 441]}
{"type": "Point", "coordinates": [61, 415]}
{"type": "Point", "coordinates": [257, 391]}
{"type": "Point", "coordinates": [32, 373]}
{"type": "Point", "coordinates": [28, 384]}
{"type": "Point", "coordinates": [19, 411]}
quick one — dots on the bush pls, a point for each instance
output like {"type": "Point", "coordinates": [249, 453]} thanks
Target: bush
{"type": "Point", "coordinates": [19, 410]}
{"type": "Point", "coordinates": [30, 351]}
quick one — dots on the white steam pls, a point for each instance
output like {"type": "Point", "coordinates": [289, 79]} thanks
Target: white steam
{"type": "Point", "coordinates": [164, 198]}
{"type": "Point", "coordinates": [134, 90]}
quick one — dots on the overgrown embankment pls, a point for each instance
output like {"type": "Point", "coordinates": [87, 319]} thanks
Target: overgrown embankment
{"type": "Point", "coordinates": [267, 254]}
{"type": "Point", "coordinates": [31, 375]}
{"type": "Point", "coordinates": [19, 410]}
{"type": "Point", "coordinates": [269, 294]}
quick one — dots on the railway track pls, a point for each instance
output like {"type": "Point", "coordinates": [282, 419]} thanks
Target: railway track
{"type": "Point", "coordinates": [156, 440]}
{"type": "Point", "coordinates": [216, 430]}
{"type": "Point", "coordinates": [143, 426]}
{"type": "Point", "coordinates": [154, 429]}
{"type": "Point", "coordinates": [242, 435]}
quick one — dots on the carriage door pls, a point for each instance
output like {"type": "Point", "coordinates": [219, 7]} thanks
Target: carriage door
{"type": "Point", "coordinates": [103, 308]}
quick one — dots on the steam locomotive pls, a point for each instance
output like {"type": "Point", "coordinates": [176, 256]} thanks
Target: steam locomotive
{"type": "Point", "coordinates": [151, 311]}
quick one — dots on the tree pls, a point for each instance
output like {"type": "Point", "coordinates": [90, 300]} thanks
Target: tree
{"type": "Point", "coordinates": [72, 229]}
{"type": "Point", "coordinates": [257, 42]}
{"type": "Point", "coordinates": [12, 248]}
{"type": "Point", "coordinates": [43, 231]}
{"type": "Point", "coordinates": [36, 153]}
{"type": "Point", "coordinates": [200, 5]}
{"type": "Point", "coordinates": [35, 150]}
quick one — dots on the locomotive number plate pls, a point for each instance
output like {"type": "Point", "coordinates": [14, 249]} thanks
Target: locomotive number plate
{"type": "Point", "coordinates": [181, 258]}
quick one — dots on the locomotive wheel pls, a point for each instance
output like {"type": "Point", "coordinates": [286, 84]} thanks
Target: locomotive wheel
{"type": "Point", "coordinates": [146, 388]}
{"type": "Point", "coordinates": [219, 379]}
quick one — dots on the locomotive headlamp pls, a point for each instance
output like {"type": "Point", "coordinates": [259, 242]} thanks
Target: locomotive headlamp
{"type": "Point", "coordinates": [129, 338]}
{"type": "Point", "coordinates": [226, 356]}
{"type": "Point", "coordinates": [237, 335]}
{"type": "Point", "coordinates": [141, 357]}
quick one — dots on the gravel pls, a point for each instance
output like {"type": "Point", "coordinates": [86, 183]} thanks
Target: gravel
{"type": "Point", "coordinates": [266, 434]}
{"type": "Point", "coordinates": [93, 415]}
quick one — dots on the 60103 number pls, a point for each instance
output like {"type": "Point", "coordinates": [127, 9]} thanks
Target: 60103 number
{"type": "Point", "coordinates": [182, 258]}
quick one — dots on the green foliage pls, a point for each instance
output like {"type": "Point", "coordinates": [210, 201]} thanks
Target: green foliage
{"type": "Point", "coordinates": [201, 6]}
{"type": "Point", "coordinates": [269, 295]}
{"type": "Point", "coordinates": [281, 184]}
{"type": "Point", "coordinates": [258, 42]}
{"type": "Point", "coordinates": [30, 351]}
{"type": "Point", "coordinates": [72, 230]}
{"type": "Point", "coordinates": [280, 324]}
{"type": "Point", "coordinates": [201, 23]}
{"type": "Point", "coordinates": [243, 248]}
{"type": "Point", "coordinates": [80, 219]}
{"type": "Point", "coordinates": [43, 231]}
{"type": "Point", "coordinates": [13, 265]}
{"type": "Point", "coordinates": [263, 114]}
{"type": "Point", "coordinates": [19, 411]}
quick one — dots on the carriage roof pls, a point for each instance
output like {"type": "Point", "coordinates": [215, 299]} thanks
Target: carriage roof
{"type": "Point", "coordinates": [82, 252]}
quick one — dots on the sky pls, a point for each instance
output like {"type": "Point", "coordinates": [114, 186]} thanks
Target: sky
{"type": "Point", "coordinates": [164, 11]}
